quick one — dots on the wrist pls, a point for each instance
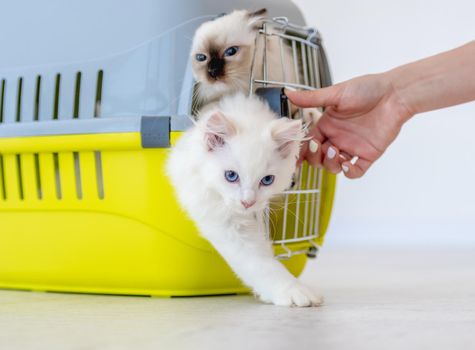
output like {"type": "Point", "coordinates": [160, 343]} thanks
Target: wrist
{"type": "Point", "coordinates": [398, 95]}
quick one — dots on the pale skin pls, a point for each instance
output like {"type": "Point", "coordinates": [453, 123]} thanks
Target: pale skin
{"type": "Point", "coordinates": [364, 115]}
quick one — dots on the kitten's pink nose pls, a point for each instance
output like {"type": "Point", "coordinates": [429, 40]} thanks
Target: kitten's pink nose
{"type": "Point", "coordinates": [248, 204]}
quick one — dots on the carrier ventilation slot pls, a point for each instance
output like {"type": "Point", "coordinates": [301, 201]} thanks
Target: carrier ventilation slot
{"type": "Point", "coordinates": [2, 99]}
{"type": "Point", "coordinates": [77, 173]}
{"type": "Point", "coordinates": [99, 177]}
{"type": "Point", "coordinates": [77, 95]}
{"type": "Point", "coordinates": [20, 177]}
{"type": "Point", "coordinates": [97, 105]}
{"type": "Point", "coordinates": [39, 189]}
{"type": "Point", "coordinates": [18, 100]}
{"type": "Point", "coordinates": [57, 87]}
{"type": "Point", "coordinates": [3, 186]}
{"type": "Point", "coordinates": [36, 111]}
{"type": "Point", "coordinates": [57, 175]}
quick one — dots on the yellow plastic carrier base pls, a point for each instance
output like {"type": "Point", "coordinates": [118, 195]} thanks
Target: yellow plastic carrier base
{"type": "Point", "coordinates": [120, 232]}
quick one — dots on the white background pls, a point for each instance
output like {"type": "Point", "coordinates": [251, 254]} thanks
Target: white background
{"type": "Point", "coordinates": [422, 192]}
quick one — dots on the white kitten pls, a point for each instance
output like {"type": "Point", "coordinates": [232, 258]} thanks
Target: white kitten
{"type": "Point", "coordinates": [225, 170]}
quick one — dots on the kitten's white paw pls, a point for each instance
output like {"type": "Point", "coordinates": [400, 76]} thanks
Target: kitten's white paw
{"type": "Point", "coordinates": [296, 294]}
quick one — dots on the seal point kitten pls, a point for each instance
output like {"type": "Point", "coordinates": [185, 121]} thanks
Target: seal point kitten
{"type": "Point", "coordinates": [222, 53]}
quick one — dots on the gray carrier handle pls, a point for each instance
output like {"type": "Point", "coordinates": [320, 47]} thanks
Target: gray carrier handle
{"type": "Point", "coordinates": [154, 131]}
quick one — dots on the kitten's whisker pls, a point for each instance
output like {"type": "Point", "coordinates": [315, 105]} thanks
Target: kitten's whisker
{"type": "Point", "coordinates": [295, 216]}
{"type": "Point", "coordinates": [282, 206]}
{"type": "Point", "coordinates": [272, 227]}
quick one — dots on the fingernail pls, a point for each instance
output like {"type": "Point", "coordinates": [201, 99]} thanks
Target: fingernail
{"type": "Point", "coordinates": [313, 146]}
{"type": "Point", "coordinates": [345, 168]}
{"type": "Point", "coordinates": [331, 153]}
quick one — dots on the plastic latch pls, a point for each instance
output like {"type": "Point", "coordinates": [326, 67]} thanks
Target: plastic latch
{"type": "Point", "coordinates": [155, 132]}
{"type": "Point", "coordinates": [276, 99]}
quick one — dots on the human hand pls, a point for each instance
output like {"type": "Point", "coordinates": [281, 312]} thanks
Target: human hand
{"type": "Point", "coordinates": [362, 118]}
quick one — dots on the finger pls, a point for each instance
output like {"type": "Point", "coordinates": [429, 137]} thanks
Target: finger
{"type": "Point", "coordinates": [316, 98]}
{"type": "Point", "coordinates": [314, 153]}
{"type": "Point", "coordinates": [345, 156]}
{"type": "Point", "coordinates": [355, 170]}
{"type": "Point", "coordinates": [331, 159]}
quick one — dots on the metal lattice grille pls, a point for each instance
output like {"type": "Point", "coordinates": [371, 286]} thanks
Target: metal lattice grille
{"type": "Point", "coordinates": [292, 217]}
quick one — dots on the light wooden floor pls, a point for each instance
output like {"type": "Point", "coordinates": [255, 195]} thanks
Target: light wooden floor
{"type": "Point", "coordinates": [418, 299]}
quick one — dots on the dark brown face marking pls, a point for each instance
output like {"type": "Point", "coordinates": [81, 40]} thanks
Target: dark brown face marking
{"type": "Point", "coordinates": [216, 64]}
{"type": "Point", "coordinates": [216, 67]}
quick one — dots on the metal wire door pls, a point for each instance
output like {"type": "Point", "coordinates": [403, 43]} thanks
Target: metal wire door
{"type": "Point", "coordinates": [292, 219]}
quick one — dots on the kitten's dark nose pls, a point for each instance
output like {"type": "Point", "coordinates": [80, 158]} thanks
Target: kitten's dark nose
{"type": "Point", "coordinates": [215, 67]}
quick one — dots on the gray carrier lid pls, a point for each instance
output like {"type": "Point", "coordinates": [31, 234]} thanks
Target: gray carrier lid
{"type": "Point", "coordinates": [64, 60]}
{"type": "Point", "coordinates": [55, 31]}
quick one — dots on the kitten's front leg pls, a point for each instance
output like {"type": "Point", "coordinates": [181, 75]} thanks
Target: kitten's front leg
{"type": "Point", "coordinates": [251, 257]}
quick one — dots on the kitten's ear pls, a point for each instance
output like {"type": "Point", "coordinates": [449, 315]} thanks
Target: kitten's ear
{"type": "Point", "coordinates": [217, 129]}
{"type": "Point", "coordinates": [257, 18]}
{"type": "Point", "coordinates": [286, 132]}
{"type": "Point", "coordinates": [259, 13]}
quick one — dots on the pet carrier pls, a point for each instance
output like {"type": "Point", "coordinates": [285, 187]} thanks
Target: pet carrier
{"type": "Point", "coordinates": [85, 205]}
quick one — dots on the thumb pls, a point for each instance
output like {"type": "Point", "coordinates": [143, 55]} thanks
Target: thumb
{"type": "Point", "coordinates": [323, 97]}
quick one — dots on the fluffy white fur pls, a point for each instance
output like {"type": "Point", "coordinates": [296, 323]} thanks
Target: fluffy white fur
{"type": "Point", "coordinates": [241, 134]}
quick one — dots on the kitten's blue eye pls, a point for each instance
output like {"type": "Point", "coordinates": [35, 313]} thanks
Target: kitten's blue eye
{"type": "Point", "coordinates": [231, 51]}
{"type": "Point", "coordinates": [200, 57]}
{"type": "Point", "coordinates": [267, 180]}
{"type": "Point", "coordinates": [231, 176]}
